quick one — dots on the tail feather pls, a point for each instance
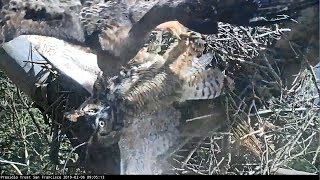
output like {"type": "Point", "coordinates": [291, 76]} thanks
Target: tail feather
{"type": "Point", "coordinates": [201, 82]}
{"type": "Point", "coordinates": [210, 85]}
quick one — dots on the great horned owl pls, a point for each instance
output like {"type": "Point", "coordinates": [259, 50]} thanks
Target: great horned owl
{"type": "Point", "coordinates": [151, 80]}
{"type": "Point", "coordinates": [142, 88]}
{"type": "Point", "coordinates": [120, 27]}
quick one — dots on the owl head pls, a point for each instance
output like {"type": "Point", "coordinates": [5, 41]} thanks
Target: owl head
{"type": "Point", "coordinates": [93, 125]}
{"type": "Point", "coordinates": [94, 122]}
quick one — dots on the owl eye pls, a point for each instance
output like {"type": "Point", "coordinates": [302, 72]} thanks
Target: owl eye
{"type": "Point", "coordinates": [101, 123]}
{"type": "Point", "coordinates": [94, 110]}
{"type": "Point", "coordinates": [91, 111]}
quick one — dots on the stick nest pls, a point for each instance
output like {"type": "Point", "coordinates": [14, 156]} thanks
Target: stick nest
{"type": "Point", "coordinates": [269, 125]}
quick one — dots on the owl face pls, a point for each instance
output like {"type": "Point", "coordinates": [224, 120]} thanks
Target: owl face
{"type": "Point", "coordinates": [94, 122]}
{"type": "Point", "coordinates": [107, 131]}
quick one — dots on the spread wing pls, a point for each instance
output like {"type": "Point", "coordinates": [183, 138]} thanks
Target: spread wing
{"type": "Point", "coordinates": [150, 81]}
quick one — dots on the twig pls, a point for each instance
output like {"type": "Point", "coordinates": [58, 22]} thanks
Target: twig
{"type": "Point", "coordinates": [32, 117]}
{"type": "Point", "coordinates": [38, 62]}
{"type": "Point", "coordinates": [191, 153]}
{"type": "Point", "coordinates": [273, 32]}
{"type": "Point", "coordinates": [53, 104]}
{"type": "Point", "coordinates": [313, 75]}
{"type": "Point", "coordinates": [316, 155]}
{"type": "Point", "coordinates": [204, 117]}
{"type": "Point", "coordinates": [277, 111]}
{"type": "Point", "coordinates": [10, 162]}
{"type": "Point", "coordinates": [176, 148]}
{"type": "Point", "coordinates": [69, 155]}
{"type": "Point", "coordinates": [13, 165]}
{"type": "Point", "coordinates": [274, 74]}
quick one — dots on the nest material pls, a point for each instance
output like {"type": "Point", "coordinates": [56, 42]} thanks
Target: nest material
{"type": "Point", "coordinates": [242, 53]}
{"type": "Point", "coordinates": [238, 51]}
{"type": "Point", "coordinates": [235, 49]}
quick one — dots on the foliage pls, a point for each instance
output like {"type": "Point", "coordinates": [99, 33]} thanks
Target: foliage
{"type": "Point", "coordinates": [25, 137]}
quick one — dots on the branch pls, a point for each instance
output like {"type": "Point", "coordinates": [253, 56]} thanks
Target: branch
{"type": "Point", "coordinates": [29, 77]}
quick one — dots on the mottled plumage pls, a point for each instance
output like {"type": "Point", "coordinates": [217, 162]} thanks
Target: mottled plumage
{"type": "Point", "coordinates": [150, 81]}
{"type": "Point", "coordinates": [117, 31]}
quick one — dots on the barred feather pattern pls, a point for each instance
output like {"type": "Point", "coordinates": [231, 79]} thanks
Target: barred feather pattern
{"type": "Point", "coordinates": [151, 81]}
{"type": "Point", "coordinates": [146, 81]}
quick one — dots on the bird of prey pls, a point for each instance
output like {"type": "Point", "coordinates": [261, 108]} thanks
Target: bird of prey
{"type": "Point", "coordinates": [136, 81]}
{"type": "Point", "coordinates": [144, 86]}
{"type": "Point", "coordinates": [150, 81]}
